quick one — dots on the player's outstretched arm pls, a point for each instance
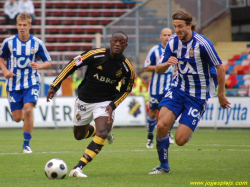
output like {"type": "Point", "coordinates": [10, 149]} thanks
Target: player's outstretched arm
{"type": "Point", "coordinates": [224, 103]}
{"type": "Point", "coordinates": [55, 85]}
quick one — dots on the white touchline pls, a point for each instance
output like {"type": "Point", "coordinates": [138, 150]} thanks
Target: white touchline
{"type": "Point", "coordinates": [131, 150]}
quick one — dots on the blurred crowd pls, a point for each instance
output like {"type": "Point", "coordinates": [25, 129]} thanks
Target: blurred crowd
{"type": "Point", "coordinates": [141, 86]}
{"type": "Point", "coordinates": [12, 8]}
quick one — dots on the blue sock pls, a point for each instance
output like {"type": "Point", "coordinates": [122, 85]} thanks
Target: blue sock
{"type": "Point", "coordinates": [162, 149]}
{"type": "Point", "coordinates": [151, 123]}
{"type": "Point", "coordinates": [27, 136]}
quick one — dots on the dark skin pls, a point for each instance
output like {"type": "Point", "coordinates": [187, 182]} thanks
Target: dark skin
{"type": "Point", "coordinates": [118, 44]}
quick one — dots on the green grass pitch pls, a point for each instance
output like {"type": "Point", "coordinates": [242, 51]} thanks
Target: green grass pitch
{"type": "Point", "coordinates": [211, 156]}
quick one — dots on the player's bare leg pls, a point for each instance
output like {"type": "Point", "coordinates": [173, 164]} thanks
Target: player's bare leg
{"type": "Point", "coordinates": [102, 128]}
{"type": "Point", "coordinates": [102, 131]}
{"type": "Point", "coordinates": [28, 117]}
{"type": "Point", "coordinates": [105, 128]}
{"type": "Point", "coordinates": [28, 126]}
{"type": "Point", "coordinates": [183, 134]}
{"type": "Point", "coordinates": [17, 115]}
{"type": "Point", "coordinates": [165, 120]}
{"type": "Point", "coordinates": [80, 132]}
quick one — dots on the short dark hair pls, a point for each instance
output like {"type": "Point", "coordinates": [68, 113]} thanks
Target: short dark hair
{"type": "Point", "coordinates": [120, 32]}
{"type": "Point", "coordinates": [185, 16]}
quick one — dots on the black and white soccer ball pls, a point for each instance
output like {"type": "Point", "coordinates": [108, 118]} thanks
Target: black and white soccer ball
{"type": "Point", "coordinates": [56, 169]}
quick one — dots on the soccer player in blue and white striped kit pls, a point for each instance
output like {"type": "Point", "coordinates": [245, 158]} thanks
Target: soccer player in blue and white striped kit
{"type": "Point", "coordinates": [21, 73]}
{"type": "Point", "coordinates": [196, 82]}
{"type": "Point", "coordinates": [159, 84]}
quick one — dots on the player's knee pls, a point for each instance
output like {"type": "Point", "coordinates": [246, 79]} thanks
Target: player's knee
{"type": "Point", "coordinates": [160, 126]}
{"type": "Point", "coordinates": [17, 115]}
{"type": "Point", "coordinates": [28, 113]}
{"type": "Point", "coordinates": [102, 134]}
{"type": "Point", "coordinates": [80, 132]}
{"type": "Point", "coordinates": [152, 113]}
{"type": "Point", "coordinates": [78, 137]}
{"type": "Point", "coordinates": [28, 109]}
{"type": "Point", "coordinates": [180, 141]}
{"type": "Point", "coordinates": [17, 118]}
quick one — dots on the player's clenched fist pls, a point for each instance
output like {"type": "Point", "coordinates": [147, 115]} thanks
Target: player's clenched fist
{"type": "Point", "coordinates": [162, 67]}
{"type": "Point", "coordinates": [8, 74]}
{"type": "Point", "coordinates": [51, 93]}
{"type": "Point", "coordinates": [172, 60]}
{"type": "Point", "coordinates": [34, 65]}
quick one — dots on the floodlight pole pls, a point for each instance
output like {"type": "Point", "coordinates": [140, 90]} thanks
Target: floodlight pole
{"type": "Point", "coordinates": [169, 14]}
{"type": "Point", "coordinates": [137, 42]}
{"type": "Point", "coordinates": [199, 14]}
{"type": "Point", "coordinates": [43, 8]}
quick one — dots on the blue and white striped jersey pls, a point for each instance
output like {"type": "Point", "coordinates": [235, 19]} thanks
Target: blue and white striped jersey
{"type": "Point", "coordinates": [19, 54]}
{"type": "Point", "coordinates": [197, 59]}
{"type": "Point", "coordinates": [159, 82]}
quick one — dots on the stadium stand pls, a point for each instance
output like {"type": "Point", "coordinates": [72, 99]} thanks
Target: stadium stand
{"type": "Point", "coordinates": [238, 72]}
{"type": "Point", "coordinates": [70, 25]}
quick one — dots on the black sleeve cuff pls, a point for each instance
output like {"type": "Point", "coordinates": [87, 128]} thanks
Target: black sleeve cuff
{"type": "Point", "coordinates": [112, 105]}
{"type": "Point", "coordinates": [53, 88]}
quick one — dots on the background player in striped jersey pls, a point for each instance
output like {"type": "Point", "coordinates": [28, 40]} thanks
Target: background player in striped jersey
{"type": "Point", "coordinates": [159, 84]}
{"type": "Point", "coordinates": [23, 79]}
{"type": "Point", "coordinates": [97, 94]}
{"type": "Point", "coordinates": [196, 82]}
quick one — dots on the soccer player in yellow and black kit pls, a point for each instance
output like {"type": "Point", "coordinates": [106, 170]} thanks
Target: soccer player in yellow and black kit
{"type": "Point", "coordinates": [97, 94]}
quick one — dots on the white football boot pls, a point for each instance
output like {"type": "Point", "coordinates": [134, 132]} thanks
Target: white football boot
{"type": "Point", "coordinates": [27, 149]}
{"type": "Point", "coordinates": [159, 170]}
{"type": "Point", "coordinates": [77, 173]}
{"type": "Point", "coordinates": [150, 143]}
{"type": "Point", "coordinates": [110, 138]}
{"type": "Point", "coordinates": [171, 138]}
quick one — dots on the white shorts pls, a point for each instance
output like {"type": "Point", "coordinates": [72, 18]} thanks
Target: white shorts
{"type": "Point", "coordinates": [86, 112]}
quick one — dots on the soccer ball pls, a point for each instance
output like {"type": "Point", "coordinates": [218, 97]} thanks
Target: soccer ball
{"type": "Point", "coordinates": [56, 169]}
